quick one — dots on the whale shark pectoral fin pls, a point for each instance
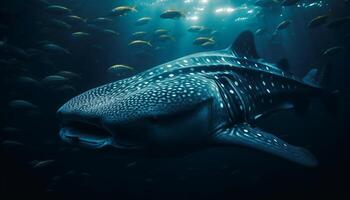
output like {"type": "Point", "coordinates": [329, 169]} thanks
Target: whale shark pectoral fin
{"type": "Point", "coordinates": [247, 136]}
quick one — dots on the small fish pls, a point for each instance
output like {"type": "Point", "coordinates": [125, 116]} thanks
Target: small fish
{"type": "Point", "coordinates": [338, 23]}
{"type": "Point", "coordinates": [195, 29]}
{"type": "Point", "coordinates": [44, 163]}
{"type": "Point", "coordinates": [333, 51]}
{"type": "Point", "coordinates": [81, 35]}
{"type": "Point", "coordinates": [122, 10]}
{"type": "Point", "coordinates": [27, 81]}
{"type": "Point", "coordinates": [283, 25]}
{"type": "Point", "coordinates": [140, 43]}
{"type": "Point", "coordinates": [69, 75]}
{"type": "Point", "coordinates": [143, 21]}
{"type": "Point", "coordinates": [58, 10]}
{"type": "Point", "coordinates": [161, 32]}
{"type": "Point", "coordinates": [66, 89]}
{"type": "Point", "coordinates": [139, 35]}
{"type": "Point", "coordinates": [120, 70]}
{"type": "Point", "coordinates": [318, 21]}
{"type": "Point", "coordinates": [260, 31]}
{"type": "Point", "coordinates": [166, 38]}
{"type": "Point", "coordinates": [24, 105]}
{"type": "Point", "coordinates": [74, 19]}
{"type": "Point", "coordinates": [16, 52]}
{"type": "Point", "coordinates": [12, 50]}
{"type": "Point", "coordinates": [201, 40]}
{"type": "Point", "coordinates": [208, 44]}
{"type": "Point", "coordinates": [111, 33]}
{"type": "Point", "coordinates": [103, 21]}
{"type": "Point", "coordinates": [54, 80]}
{"type": "Point", "coordinates": [55, 49]}
{"type": "Point", "coordinates": [172, 14]}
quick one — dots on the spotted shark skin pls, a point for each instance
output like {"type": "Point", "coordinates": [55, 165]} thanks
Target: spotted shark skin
{"type": "Point", "coordinates": [205, 99]}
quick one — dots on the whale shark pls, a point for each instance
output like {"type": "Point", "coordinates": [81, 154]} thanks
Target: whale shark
{"type": "Point", "coordinates": [203, 100]}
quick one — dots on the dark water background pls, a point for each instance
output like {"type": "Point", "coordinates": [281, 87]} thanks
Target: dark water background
{"type": "Point", "coordinates": [222, 173]}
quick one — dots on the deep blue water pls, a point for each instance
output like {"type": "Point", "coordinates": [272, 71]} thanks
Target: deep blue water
{"type": "Point", "coordinates": [216, 173]}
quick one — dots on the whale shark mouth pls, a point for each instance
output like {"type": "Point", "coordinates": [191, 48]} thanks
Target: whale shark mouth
{"type": "Point", "coordinates": [86, 134]}
{"type": "Point", "coordinates": [93, 136]}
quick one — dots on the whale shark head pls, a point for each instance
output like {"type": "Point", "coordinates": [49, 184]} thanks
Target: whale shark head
{"type": "Point", "coordinates": [138, 112]}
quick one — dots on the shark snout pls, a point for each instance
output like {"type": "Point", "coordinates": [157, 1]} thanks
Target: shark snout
{"type": "Point", "coordinates": [83, 127]}
{"type": "Point", "coordinates": [88, 127]}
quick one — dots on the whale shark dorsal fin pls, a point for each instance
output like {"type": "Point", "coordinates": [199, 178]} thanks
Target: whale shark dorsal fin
{"type": "Point", "coordinates": [244, 46]}
{"type": "Point", "coordinates": [283, 64]}
{"type": "Point", "coordinates": [248, 136]}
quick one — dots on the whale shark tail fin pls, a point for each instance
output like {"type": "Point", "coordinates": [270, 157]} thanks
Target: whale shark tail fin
{"type": "Point", "coordinates": [244, 46]}
{"type": "Point", "coordinates": [247, 136]}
